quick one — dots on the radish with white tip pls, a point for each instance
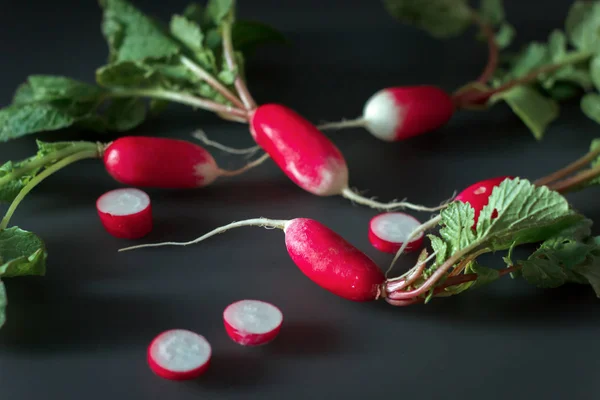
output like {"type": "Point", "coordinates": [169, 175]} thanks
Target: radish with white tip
{"type": "Point", "coordinates": [388, 231]}
{"type": "Point", "coordinates": [252, 322]}
{"type": "Point", "coordinates": [399, 113]}
{"type": "Point", "coordinates": [179, 354]}
{"type": "Point", "coordinates": [125, 213]}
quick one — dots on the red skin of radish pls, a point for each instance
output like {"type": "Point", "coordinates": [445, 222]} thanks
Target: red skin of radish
{"type": "Point", "coordinates": [392, 247]}
{"type": "Point", "coordinates": [250, 339]}
{"type": "Point", "coordinates": [159, 163]}
{"type": "Point", "coordinates": [172, 375]}
{"type": "Point", "coordinates": [478, 194]}
{"type": "Point", "coordinates": [331, 262]}
{"type": "Point", "coordinates": [305, 154]}
{"type": "Point", "coordinates": [132, 226]}
{"type": "Point", "coordinates": [417, 109]}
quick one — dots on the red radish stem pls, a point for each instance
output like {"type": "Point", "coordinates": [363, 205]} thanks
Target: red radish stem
{"type": "Point", "coordinates": [125, 213]}
{"type": "Point", "coordinates": [399, 113]}
{"type": "Point", "coordinates": [252, 322]}
{"type": "Point", "coordinates": [308, 157]}
{"type": "Point", "coordinates": [321, 254]}
{"type": "Point", "coordinates": [240, 85]}
{"type": "Point", "coordinates": [179, 354]}
{"type": "Point", "coordinates": [388, 231]}
{"type": "Point", "coordinates": [487, 30]}
{"type": "Point", "coordinates": [201, 136]}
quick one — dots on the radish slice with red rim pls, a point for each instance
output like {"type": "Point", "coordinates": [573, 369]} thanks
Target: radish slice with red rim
{"type": "Point", "coordinates": [388, 231]}
{"type": "Point", "coordinates": [125, 213]}
{"type": "Point", "coordinates": [252, 322]}
{"type": "Point", "coordinates": [179, 354]}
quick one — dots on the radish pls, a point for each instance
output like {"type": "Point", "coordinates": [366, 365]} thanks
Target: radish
{"type": "Point", "coordinates": [477, 195]}
{"type": "Point", "coordinates": [252, 322]}
{"type": "Point", "coordinates": [125, 213]}
{"type": "Point", "coordinates": [164, 163]}
{"type": "Point", "coordinates": [398, 113]}
{"type": "Point", "coordinates": [321, 254]}
{"type": "Point", "coordinates": [388, 231]}
{"type": "Point", "coordinates": [179, 354]}
{"type": "Point", "coordinates": [307, 156]}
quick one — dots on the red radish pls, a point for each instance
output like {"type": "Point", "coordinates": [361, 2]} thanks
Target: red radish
{"type": "Point", "coordinates": [252, 322]}
{"type": "Point", "coordinates": [179, 354]}
{"type": "Point", "coordinates": [125, 213]}
{"type": "Point", "coordinates": [477, 195]}
{"type": "Point", "coordinates": [320, 253]}
{"type": "Point", "coordinates": [163, 163]}
{"type": "Point", "coordinates": [399, 113]}
{"type": "Point", "coordinates": [388, 231]}
{"type": "Point", "coordinates": [307, 156]}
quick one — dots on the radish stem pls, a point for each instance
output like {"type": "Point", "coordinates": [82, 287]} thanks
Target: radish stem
{"type": "Point", "coordinates": [351, 123]}
{"type": "Point", "coordinates": [353, 196]}
{"type": "Point", "coordinates": [181, 98]}
{"type": "Point", "coordinates": [487, 30]}
{"type": "Point", "coordinates": [394, 284]}
{"type": "Point", "coordinates": [250, 165]}
{"type": "Point", "coordinates": [40, 177]}
{"type": "Point", "coordinates": [262, 222]}
{"type": "Point", "coordinates": [239, 83]}
{"type": "Point", "coordinates": [569, 169]}
{"type": "Point", "coordinates": [423, 228]}
{"type": "Point", "coordinates": [571, 183]}
{"type": "Point", "coordinates": [201, 136]}
{"type": "Point", "coordinates": [208, 78]}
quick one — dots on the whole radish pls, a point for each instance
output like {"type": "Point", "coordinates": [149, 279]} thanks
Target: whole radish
{"type": "Point", "coordinates": [307, 156]}
{"type": "Point", "coordinates": [399, 113]}
{"type": "Point", "coordinates": [252, 322]}
{"type": "Point", "coordinates": [125, 213]}
{"type": "Point", "coordinates": [163, 163]}
{"type": "Point", "coordinates": [477, 195]}
{"type": "Point", "coordinates": [179, 354]}
{"type": "Point", "coordinates": [321, 254]}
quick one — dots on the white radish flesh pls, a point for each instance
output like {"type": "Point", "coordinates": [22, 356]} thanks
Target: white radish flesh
{"type": "Point", "coordinates": [252, 322]}
{"type": "Point", "coordinates": [179, 354]}
{"type": "Point", "coordinates": [388, 231]}
{"type": "Point", "coordinates": [125, 213]}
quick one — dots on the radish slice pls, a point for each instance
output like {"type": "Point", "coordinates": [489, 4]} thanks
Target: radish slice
{"type": "Point", "coordinates": [388, 231]}
{"type": "Point", "coordinates": [125, 213]}
{"type": "Point", "coordinates": [252, 322]}
{"type": "Point", "coordinates": [179, 354]}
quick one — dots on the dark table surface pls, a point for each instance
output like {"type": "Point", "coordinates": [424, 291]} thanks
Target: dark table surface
{"type": "Point", "coordinates": [81, 332]}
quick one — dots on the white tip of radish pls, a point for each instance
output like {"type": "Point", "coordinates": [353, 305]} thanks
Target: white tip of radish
{"type": "Point", "coordinates": [388, 231]}
{"type": "Point", "coordinates": [252, 322]}
{"type": "Point", "coordinates": [179, 354]}
{"type": "Point", "coordinates": [123, 201]}
{"type": "Point", "coordinates": [382, 115]}
{"type": "Point", "coordinates": [125, 213]}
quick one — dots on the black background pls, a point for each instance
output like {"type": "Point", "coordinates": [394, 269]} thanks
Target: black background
{"type": "Point", "coordinates": [81, 332]}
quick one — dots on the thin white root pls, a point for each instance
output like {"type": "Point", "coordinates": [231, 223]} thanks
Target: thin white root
{"type": "Point", "coordinates": [201, 136]}
{"type": "Point", "coordinates": [250, 165]}
{"type": "Point", "coordinates": [416, 269]}
{"type": "Point", "coordinates": [357, 198]}
{"type": "Point", "coordinates": [352, 123]}
{"type": "Point", "coordinates": [261, 222]}
{"type": "Point", "coordinates": [417, 231]}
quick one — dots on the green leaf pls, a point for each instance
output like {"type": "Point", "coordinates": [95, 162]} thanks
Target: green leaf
{"type": "Point", "coordinates": [219, 10]}
{"type": "Point", "coordinates": [543, 272]}
{"type": "Point", "coordinates": [457, 222]}
{"type": "Point", "coordinates": [492, 11]}
{"type": "Point", "coordinates": [194, 12]}
{"type": "Point", "coordinates": [22, 253]}
{"type": "Point", "coordinates": [583, 25]}
{"type": "Point", "coordinates": [485, 275]}
{"type": "Point", "coordinates": [440, 18]}
{"type": "Point", "coordinates": [561, 91]}
{"type": "Point", "coordinates": [505, 35]}
{"type": "Point", "coordinates": [533, 56]}
{"type": "Point", "coordinates": [519, 212]}
{"type": "Point", "coordinates": [535, 110]}
{"type": "Point", "coordinates": [125, 114]}
{"type": "Point", "coordinates": [24, 119]}
{"type": "Point", "coordinates": [596, 162]}
{"type": "Point", "coordinates": [590, 105]}
{"type": "Point", "coordinates": [51, 87]}
{"type": "Point", "coordinates": [441, 249]}
{"type": "Point", "coordinates": [188, 32]}
{"type": "Point", "coordinates": [23, 95]}
{"type": "Point", "coordinates": [595, 71]}
{"type": "Point", "coordinates": [3, 303]}
{"type": "Point", "coordinates": [132, 35]}
{"type": "Point", "coordinates": [128, 74]}
{"type": "Point", "coordinates": [248, 35]}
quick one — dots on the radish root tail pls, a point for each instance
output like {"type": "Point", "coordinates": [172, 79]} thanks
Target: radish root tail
{"type": "Point", "coordinates": [352, 123]}
{"type": "Point", "coordinates": [357, 198]}
{"type": "Point", "coordinates": [261, 222]}
{"type": "Point", "coordinates": [249, 166]}
{"type": "Point", "coordinates": [202, 137]}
